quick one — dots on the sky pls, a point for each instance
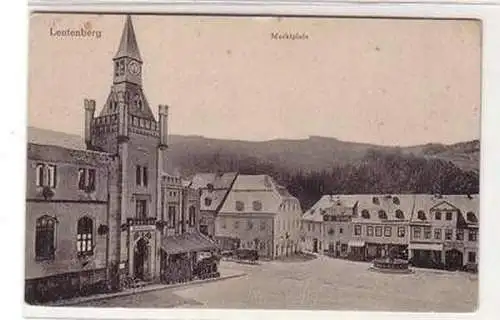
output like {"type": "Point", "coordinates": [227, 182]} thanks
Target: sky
{"type": "Point", "coordinates": [383, 81]}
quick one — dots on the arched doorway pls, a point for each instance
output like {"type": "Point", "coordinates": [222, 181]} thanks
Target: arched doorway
{"type": "Point", "coordinates": [141, 259]}
{"type": "Point", "coordinates": [454, 259]}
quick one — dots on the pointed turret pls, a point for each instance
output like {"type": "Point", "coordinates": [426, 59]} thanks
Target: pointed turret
{"type": "Point", "coordinates": [128, 43]}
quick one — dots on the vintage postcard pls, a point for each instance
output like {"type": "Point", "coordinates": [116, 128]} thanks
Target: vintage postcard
{"type": "Point", "coordinates": [253, 162]}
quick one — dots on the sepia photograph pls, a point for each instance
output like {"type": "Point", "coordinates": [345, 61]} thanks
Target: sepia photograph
{"type": "Point", "coordinates": [253, 162]}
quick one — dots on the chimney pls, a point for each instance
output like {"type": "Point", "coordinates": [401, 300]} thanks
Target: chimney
{"type": "Point", "coordinates": [163, 123]}
{"type": "Point", "coordinates": [89, 106]}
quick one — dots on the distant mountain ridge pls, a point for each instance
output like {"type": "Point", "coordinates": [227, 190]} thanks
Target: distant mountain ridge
{"type": "Point", "coordinates": [313, 154]}
{"type": "Point", "coordinates": [312, 167]}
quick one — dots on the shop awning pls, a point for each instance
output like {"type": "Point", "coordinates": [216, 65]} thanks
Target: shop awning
{"type": "Point", "coordinates": [426, 246]}
{"type": "Point", "coordinates": [188, 242]}
{"type": "Point", "coordinates": [356, 243]}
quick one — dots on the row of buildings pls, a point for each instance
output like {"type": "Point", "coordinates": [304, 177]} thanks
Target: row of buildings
{"type": "Point", "coordinates": [430, 230]}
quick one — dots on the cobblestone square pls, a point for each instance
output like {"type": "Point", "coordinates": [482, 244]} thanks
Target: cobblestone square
{"type": "Point", "coordinates": [319, 284]}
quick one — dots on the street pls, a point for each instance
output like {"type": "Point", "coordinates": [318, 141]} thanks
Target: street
{"type": "Point", "coordinates": [320, 284]}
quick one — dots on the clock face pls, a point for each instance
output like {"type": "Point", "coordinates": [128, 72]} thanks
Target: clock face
{"type": "Point", "coordinates": [134, 68]}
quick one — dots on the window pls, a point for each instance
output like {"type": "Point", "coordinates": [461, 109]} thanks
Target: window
{"type": "Point", "coordinates": [472, 235]}
{"type": "Point", "coordinates": [45, 238]}
{"type": "Point", "coordinates": [257, 205]}
{"type": "Point", "coordinates": [141, 209]}
{"type": "Point", "coordinates": [86, 179]}
{"type": "Point", "coordinates": [471, 217]}
{"type": "Point", "coordinates": [52, 176]}
{"type": "Point", "coordinates": [141, 176]}
{"type": "Point", "coordinates": [192, 216]}
{"type": "Point", "coordinates": [387, 231]}
{"type": "Point", "coordinates": [421, 215]}
{"type": "Point", "coordinates": [401, 232]}
{"type": "Point", "coordinates": [369, 231]}
{"type": "Point", "coordinates": [249, 225]}
{"type": "Point", "coordinates": [375, 200]}
{"type": "Point", "coordinates": [40, 174]}
{"type": "Point", "coordinates": [357, 230]}
{"type": "Point", "coordinates": [472, 257]}
{"type": "Point", "coordinates": [438, 215]}
{"type": "Point", "coordinates": [84, 239]}
{"type": "Point", "coordinates": [341, 230]}
{"type": "Point", "coordinates": [236, 224]}
{"type": "Point", "coordinates": [378, 231]}
{"type": "Point", "coordinates": [437, 234]}
{"type": "Point", "coordinates": [395, 200]}
{"type": "Point", "coordinates": [171, 216]}
{"type": "Point", "coordinates": [382, 214]}
{"type": "Point", "coordinates": [223, 224]}
{"type": "Point", "coordinates": [427, 233]}
{"type": "Point", "coordinates": [448, 234]}
{"type": "Point", "coordinates": [262, 225]}
{"type": "Point", "coordinates": [48, 180]}
{"type": "Point", "coordinates": [365, 214]}
{"type": "Point", "coordinates": [449, 216]}
{"type": "Point", "coordinates": [240, 206]}
{"type": "Point", "coordinates": [122, 67]}
{"type": "Point", "coordinates": [459, 235]}
{"type": "Point", "coordinates": [208, 201]}
{"type": "Point", "coordinates": [400, 214]}
{"type": "Point", "coordinates": [309, 227]}
{"type": "Point", "coordinates": [416, 232]}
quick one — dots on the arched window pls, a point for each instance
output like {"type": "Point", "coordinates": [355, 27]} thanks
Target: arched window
{"type": "Point", "coordinates": [400, 214]}
{"type": "Point", "coordinates": [192, 216]}
{"type": "Point", "coordinates": [40, 174]}
{"type": "Point", "coordinates": [382, 214]}
{"type": "Point", "coordinates": [84, 236]}
{"type": "Point", "coordinates": [45, 238]}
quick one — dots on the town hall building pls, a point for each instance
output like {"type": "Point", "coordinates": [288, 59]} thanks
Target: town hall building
{"type": "Point", "coordinates": [108, 210]}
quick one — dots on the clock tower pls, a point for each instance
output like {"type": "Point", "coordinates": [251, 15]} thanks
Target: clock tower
{"type": "Point", "coordinates": [127, 128]}
{"type": "Point", "coordinates": [127, 61]}
{"type": "Point", "coordinates": [127, 77]}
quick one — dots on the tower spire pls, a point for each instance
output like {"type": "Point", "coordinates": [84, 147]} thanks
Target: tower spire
{"type": "Point", "coordinates": [128, 43]}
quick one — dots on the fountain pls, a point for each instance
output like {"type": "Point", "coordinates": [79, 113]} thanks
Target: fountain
{"type": "Point", "coordinates": [391, 264]}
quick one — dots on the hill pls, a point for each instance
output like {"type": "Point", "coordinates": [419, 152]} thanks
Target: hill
{"type": "Point", "coordinates": [317, 165]}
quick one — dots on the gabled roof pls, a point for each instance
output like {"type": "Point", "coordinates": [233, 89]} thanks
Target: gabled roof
{"type": "Point", "coordinates": [214, 188]}
{"type": "Point", "coordinates": [254, 183]}
{"type": "Point", "coordinates": [255, 194]}
{"type": "Point", "coordinates": [128, 44]}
